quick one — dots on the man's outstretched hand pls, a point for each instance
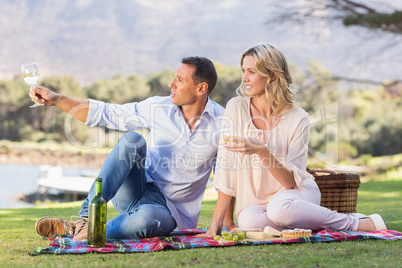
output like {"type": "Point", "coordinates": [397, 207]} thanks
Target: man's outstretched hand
{"type": "Point", "coordinates": [43, 95]}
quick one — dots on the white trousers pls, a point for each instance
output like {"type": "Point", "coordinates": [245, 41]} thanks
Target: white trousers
{"type": "Point", "coordinates": [296, 209]}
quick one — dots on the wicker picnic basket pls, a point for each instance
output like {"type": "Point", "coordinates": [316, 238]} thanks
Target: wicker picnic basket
{"type": "Point", "coordinates": [338, 190]}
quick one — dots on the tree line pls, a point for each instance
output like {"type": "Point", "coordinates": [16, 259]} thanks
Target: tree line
{"type": "Point", "coordinates": [351, 121]}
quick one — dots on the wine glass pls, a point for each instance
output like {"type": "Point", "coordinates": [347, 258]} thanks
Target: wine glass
{"type": "Point", "coordinates": [228, 135]}
{"type": "Point", "coordinates": [30, 73]}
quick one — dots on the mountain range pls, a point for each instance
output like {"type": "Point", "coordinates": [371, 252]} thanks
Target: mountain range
{"type": "Point", "coordinates": [96, 39]}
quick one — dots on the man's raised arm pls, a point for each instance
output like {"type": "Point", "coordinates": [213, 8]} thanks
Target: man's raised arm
{"type": "Point", "coordinates": [76, 107]}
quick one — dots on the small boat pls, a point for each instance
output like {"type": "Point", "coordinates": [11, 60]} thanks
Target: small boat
{"type": "Point", "coordinates": [51, 181]}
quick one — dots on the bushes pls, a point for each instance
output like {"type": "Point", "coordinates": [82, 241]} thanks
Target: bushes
{"type": "Point", "coordinates": [347, 123]}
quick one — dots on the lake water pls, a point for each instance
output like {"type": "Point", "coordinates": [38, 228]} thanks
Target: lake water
{"type": "Point", "coordinates": [21, 179]}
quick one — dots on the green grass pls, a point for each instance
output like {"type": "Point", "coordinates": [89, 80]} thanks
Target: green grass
{"type": "Point", "coordinates": [18, 237]}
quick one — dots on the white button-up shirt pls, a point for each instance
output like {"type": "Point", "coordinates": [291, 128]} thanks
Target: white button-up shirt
{"type": "Point", "coordinates": [178, 161]}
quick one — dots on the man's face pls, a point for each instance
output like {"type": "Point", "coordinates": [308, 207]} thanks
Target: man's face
{"type": "Point", "coordinates": [183, 91]}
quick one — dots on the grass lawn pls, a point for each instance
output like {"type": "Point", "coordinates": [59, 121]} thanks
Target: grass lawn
{"type": "Point", "coordinates": [18, 237]}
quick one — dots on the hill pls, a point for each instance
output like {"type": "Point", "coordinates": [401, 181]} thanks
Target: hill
{"type": "Point", "coordinates": [91, 39]}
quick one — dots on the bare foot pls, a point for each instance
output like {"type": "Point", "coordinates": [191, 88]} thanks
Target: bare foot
{"type": "Point", "coordinates": [367, 225]}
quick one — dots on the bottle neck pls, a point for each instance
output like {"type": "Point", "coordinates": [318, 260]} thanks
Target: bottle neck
{"type": "Point", "coordinates": [98, 187]}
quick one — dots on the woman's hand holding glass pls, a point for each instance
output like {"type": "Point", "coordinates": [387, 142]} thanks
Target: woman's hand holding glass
{"type": "Point", "coordinates": [245, 145]}
{"type": "Point", "coordinates": [229, 134]}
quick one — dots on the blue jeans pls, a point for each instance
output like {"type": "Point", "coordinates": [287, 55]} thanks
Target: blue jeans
{"type": "Point", "coordinates": [141, 206]}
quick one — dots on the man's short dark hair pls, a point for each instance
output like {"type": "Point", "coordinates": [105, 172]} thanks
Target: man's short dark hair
{"type": "Point", "coordinates": [204, 71]}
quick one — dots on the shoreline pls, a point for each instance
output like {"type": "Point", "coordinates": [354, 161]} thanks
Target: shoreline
{"type": "Point", "coordinates": [53, 158]}
{"type": "Point", "coordinates": [37, 157]}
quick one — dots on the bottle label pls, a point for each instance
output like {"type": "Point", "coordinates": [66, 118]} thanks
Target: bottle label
{"type": "Point", "coordinates": [97, 224]}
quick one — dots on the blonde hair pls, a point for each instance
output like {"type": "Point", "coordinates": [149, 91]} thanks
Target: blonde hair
{"type": "Point", "coordinates": [271, 63]}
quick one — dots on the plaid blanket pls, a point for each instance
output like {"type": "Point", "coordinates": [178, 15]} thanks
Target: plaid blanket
{"type": "Point", "coordinates": [185, 238]}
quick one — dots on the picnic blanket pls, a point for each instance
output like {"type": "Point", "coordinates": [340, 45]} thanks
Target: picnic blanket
{"type": "Point", "coordinates": [185, 238]}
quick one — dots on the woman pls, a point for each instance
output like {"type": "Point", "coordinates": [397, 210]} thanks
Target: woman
{"type": "Point", "coordinates": [267, 171]}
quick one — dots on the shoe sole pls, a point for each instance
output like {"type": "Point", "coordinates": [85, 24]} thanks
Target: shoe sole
{"type": "Point", "coordinates": [36, 225]}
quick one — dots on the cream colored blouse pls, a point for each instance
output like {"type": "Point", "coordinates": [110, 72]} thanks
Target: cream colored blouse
{"type": "Point", "coordinates": [244, 176]}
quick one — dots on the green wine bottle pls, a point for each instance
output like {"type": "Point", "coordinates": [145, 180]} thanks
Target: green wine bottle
{"type": "Point", "coordinates": [97, 218]}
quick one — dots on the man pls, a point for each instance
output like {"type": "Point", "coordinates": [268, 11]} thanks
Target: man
{"type": "Point", "coordinates": [156, 185]}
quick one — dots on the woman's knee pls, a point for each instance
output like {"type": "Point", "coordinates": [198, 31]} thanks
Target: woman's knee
{"type": "Point", "coordinates": [252, 217]}
{"type": "Point", "coordinates": [280, 211]}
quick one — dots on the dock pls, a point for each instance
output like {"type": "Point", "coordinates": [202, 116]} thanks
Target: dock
{"type": "Point", "coordinates": [52, 181]}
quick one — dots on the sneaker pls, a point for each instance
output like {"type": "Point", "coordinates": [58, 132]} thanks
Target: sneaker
{"type": "Point", "coordinates": [378, 222]}
{"type": "Point", "coordinates": [81, 229]}
{"type": "Point", "coordinates": [49, 226]}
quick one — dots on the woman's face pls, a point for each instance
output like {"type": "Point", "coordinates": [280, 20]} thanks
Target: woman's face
{"type": "Point", "coordinates": [253, 80]}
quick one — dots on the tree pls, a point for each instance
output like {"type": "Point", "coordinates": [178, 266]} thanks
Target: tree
{"type": "Point", "coordinates": [46, 120]}
{"type": "Point", "coordinates": [159, 83]}
{"type": "Point", "coordinates": [229, 79]}
{"type": "Point", "coordinates": [119, 89]}
{"type": "Point", "coordinates": [317, 92]}
{"type": "Point", "coordinates": [315, 86]}
{"type": "Point", "coordinates": [356, 12]}
{"type": "Point", "coordinates": [14, 103]}
{"type": "Point", "coordinates": [380, 18]}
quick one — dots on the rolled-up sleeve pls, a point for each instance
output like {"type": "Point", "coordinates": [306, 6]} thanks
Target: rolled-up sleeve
{"type": "Point", "coordinates": [223, 180]}
{"type": "Point", "coordinates": [296, 158]}
{"type": "Point", "coordinates": [115, 116]}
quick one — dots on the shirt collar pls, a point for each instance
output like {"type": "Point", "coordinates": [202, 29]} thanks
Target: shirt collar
{"type": "Point", "coordinates": [209, 108]}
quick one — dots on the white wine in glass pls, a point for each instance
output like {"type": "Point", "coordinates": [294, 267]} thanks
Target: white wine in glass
{"type": "Point", "coordinates": [230, 134]}
{"type": "Point", "coordinates": [30, 73]}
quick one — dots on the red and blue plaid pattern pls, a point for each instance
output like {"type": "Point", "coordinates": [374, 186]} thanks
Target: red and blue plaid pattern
{"type": "Point", "coordinates": [182, 239]}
